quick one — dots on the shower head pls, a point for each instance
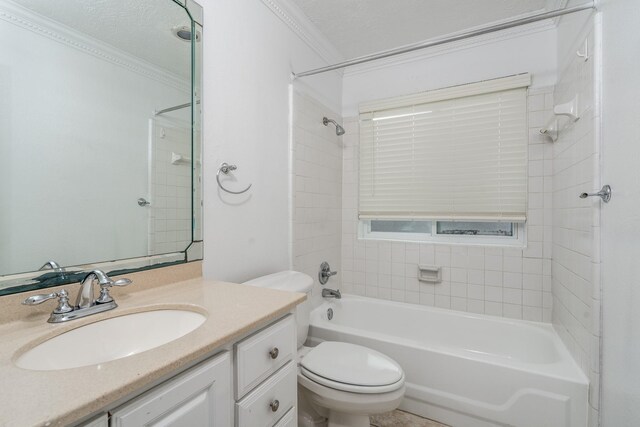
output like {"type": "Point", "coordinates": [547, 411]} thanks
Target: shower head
{"type": "Point", "coordinates": [339, 129]}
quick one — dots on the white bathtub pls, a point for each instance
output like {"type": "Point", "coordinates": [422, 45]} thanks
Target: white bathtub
{"type": "Point", "coordinates": [465, 369]}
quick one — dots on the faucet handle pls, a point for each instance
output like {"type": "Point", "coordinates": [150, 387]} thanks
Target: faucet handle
{"type": "Point", "coordinates": [325, 273]}
{"type": "Point", "coordinates": [39, 299]}
{"type": "Point", "coordinates": [63, 303]}
{"type": "Point", "coordinates": [104, 289]}
{"type": "Point", "coordinates": [122, 282]}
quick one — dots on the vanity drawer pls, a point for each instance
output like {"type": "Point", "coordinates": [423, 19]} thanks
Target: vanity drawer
{"type": "Point", "coordinates": [265, 405]}
{"type": "Point", "coordinates": [261, 354]}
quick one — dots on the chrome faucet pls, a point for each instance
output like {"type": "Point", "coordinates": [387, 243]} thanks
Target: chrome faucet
{"type": "Point", "coordinates": [53, 266]}
{"type": "Point", "coordinates": [85, 295]}
{"type": "Point", "coordinates": [331, 293]}
{"type": "Point", "coordinates": [85, 302]}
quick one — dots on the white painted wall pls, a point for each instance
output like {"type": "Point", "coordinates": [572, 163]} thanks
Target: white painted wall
{"type": "Point", "coordinates": [73, 149]}
{"type": "Point", "coordinates": [570, 27]}
{"type": "Point", "coordinates": [621, 217]}
{"type": "Point", "coordinates": [249, 54]}
{"type": "Point", "coordinates": [489, 58]}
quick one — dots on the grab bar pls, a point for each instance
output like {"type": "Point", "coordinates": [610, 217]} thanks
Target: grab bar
{"type": "Point", "coordinates": [225, 168]}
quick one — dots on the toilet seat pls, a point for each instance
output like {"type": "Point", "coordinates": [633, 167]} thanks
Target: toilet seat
{"type": "Point", "coordinates": [351, 368]}
{"type": "Point", "coordinates": [351, 388]}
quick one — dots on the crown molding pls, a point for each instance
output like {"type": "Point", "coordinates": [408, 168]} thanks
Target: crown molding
{"type": "Point", "coordinates": [422, 54]}
{"type": "Point", "coordinates": [24, 18]}
{"type": "Point", "coordinates": [298, 22]}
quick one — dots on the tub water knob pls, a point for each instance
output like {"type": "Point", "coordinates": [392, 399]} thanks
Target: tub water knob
{"type": "Point", "coordinates": [330, 313]}
{"type": "Point", "coordinates": [274, 405]}
{"type": "Point", "coordinates": [274, 353]}
{"type": "Point", "coordinates": [325, 273]}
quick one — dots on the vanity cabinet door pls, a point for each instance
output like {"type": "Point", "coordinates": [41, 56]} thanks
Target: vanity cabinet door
{"type": "Point", "coordinates": [199, 397]}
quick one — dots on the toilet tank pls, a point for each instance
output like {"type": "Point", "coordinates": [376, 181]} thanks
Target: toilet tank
{"type": "Point", "coordinates": [292, 281]}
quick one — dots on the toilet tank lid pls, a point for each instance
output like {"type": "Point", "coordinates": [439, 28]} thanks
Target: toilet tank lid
{"type": "Point", "coordinates": [292, 281]}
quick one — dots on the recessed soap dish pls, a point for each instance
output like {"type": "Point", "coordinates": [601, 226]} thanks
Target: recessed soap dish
{"type": "Point", "coordinates": [429, 273]}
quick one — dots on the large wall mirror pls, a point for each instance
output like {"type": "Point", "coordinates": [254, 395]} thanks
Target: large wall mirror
{"type": "Point", "coordinates": [100, 140]}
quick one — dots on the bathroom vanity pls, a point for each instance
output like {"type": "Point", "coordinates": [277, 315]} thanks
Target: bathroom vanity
{"type": "Point", "coordinates": [265, 387]}
{"type": "Point", "coordinates": [237, 368]}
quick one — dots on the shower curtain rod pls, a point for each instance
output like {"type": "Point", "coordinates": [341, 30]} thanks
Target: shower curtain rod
{"type": "Point", "coordinates": [448, 39]}
{"type": "Point", "coordinates": [177, 107]}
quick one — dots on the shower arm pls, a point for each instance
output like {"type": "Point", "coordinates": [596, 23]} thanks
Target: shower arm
{"type": "Point", "coordinates": [339, 129]}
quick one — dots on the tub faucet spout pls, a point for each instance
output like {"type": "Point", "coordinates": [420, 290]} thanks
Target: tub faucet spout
{"type": "Point", "coordinates": [330, 293]}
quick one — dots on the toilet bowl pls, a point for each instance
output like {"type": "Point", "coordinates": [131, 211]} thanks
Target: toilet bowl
{"type": "Point", "coordinates": [342, 382]}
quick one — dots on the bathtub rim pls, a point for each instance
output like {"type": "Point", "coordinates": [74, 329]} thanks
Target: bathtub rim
{"type": "Point", "coordinates": [566, 368]}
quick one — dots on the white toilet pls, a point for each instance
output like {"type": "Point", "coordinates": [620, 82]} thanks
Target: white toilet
{"type": "Point", "coordinates": [340, 381]}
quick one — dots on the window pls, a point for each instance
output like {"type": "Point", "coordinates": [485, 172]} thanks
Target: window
{"type": "Point", "coordinates": [468, 233]}
{"type": "Point", "coordinates": [450, 163]}
{"type": "Point", "coordinates": [475, 228]}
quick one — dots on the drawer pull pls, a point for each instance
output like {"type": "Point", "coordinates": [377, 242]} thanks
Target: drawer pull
{"type": "Point", "coordinates": [274, 353]}
{"type": "Point", "coordinates": [274, 405]}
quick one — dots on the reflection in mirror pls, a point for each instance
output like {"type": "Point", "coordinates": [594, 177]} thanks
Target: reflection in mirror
{"type": "Point", "coordinates": [99, 137]}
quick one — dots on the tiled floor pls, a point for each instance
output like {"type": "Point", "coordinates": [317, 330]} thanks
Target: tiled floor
{"type": "Point", "coordinates": [400, 418]}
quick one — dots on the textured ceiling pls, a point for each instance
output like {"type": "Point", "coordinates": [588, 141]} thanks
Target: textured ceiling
{"type": "Point", "coordinates": [359, 27]}
{"type": "Point", "coordinates": [141, 28]}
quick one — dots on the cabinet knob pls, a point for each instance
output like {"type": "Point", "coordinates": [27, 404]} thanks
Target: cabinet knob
{"type": "Point", "coordinates": [274, 353]}
{"type": "Point", "coordinates": [274, 405]}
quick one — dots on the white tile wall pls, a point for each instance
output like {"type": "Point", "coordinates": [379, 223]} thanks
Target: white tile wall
{"type": "Point", "coordinates": [170, 210]}
{"type": "Point", "coordinates": [576, 225]}
{"type": "Point", "coordinates": [197, 186]}
{"type": "Point", "coordinates": [507, 282]}
{"type": "Point", "coordinates": [317, 190]}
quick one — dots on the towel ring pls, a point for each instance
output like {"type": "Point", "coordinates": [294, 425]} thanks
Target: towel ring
{"type": "Point", "coordinates": [225, 168]}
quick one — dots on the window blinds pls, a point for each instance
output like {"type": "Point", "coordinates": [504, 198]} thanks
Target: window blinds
{"type": "Point", "coordinates": [452, 154]}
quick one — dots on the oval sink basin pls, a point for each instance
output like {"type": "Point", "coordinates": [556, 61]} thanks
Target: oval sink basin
{"type": "Point", "coordinates": [110, 339]}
